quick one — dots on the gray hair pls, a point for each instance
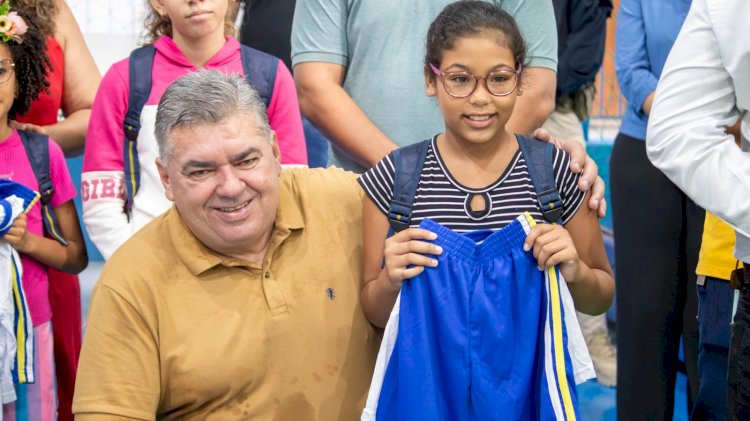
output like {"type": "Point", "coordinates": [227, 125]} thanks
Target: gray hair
{"type": "Point", "coordinates": [206, 97]}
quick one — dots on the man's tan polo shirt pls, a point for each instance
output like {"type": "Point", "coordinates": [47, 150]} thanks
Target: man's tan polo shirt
{"type": "Point", "coordinates": [177, 331]}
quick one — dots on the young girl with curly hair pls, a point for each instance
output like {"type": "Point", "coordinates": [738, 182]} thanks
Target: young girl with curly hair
{"type": "Point", "coordinates": [24, 66]}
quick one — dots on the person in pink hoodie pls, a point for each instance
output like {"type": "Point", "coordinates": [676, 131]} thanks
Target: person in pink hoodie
{"type": "Point", "coordinates": [187, 36]}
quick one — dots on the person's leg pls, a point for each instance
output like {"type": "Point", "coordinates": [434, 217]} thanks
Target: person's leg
{"type": "Point", "coordinates": [647, 214]}
{"type": "Point", "coordinates": [37, 401]}
{"type": "Point", "coordinates": [738, 392]}
{"type": "Point", "coordinates": [693, 218]}
{"type": "Point", "coordinates": [564, 124]}
{"type": "Point", "coordinates": [65, 300]}
{"type": "Point", "coordinates": [714, 316]}
{"type": "Point", "coordinates": [317, 145]}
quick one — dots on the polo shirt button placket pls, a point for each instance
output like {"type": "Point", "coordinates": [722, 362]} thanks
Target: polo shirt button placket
{"type": "Point", "coordinates": [274, 296]}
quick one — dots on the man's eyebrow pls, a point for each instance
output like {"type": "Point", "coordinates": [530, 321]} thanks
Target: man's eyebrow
{"type": "Point", "coordinates": [197, 164]}
{"type": "Point", "coordinates": [194, 163]}
{"type": "Point", "coordinates": [244, 154]}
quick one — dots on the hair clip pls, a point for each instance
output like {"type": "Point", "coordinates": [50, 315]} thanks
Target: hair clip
{"type": "Point", "coordinates": [12, 26]}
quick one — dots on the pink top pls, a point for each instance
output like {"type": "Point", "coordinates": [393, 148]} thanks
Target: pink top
{"type": "Point", "coordinates": [104, 140]}
{"type": "Point", "coordinates": [14, 165]}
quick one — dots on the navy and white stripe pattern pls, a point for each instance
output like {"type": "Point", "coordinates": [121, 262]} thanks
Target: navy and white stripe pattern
{"type": "Point", "coordinates": [442, 199]}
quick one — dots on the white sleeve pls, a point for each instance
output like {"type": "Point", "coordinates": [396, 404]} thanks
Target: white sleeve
{"type": "Point", "coordinates": [694, 103]}
{"type": "Point", "coordinates": [103, 210]}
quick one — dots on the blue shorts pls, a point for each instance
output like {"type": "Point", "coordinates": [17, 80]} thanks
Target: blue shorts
{"type": "Point", "coordinates": [483, 336]}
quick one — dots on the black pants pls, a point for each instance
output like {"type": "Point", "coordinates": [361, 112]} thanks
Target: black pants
{"type": "Point", "coordinates": [657, 238]}
{"type": "Point", "coordinates": [738, 394]}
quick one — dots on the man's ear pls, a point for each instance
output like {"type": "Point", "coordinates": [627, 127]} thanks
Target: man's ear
{"type": "Point", "coordinates": [164, 177]}
{"type": "Point", "coordinates": [275, 146]}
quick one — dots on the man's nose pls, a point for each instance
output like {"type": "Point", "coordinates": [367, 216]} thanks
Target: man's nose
{"type": "Point", "coordinates": [230, 183]}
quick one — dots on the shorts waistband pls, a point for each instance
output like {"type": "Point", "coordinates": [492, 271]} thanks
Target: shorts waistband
{"type": "Point", "coordinates": [494, 243]}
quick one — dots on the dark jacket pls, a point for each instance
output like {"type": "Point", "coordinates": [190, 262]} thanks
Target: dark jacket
{"type": "Point", "coordinates": [581, 32]}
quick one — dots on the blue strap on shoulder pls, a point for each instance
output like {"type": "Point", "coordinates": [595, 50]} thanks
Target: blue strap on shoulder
{"type": "Point", "coordinates": [260, 71]}
{"type": "Point", "coordinates": [37, 150]}
{"type": "Point", "coordinates": [407, 165]}
{"type": "Point", "coordinates": [539, 161]}
{"type": "Point", "coordinates": [141, 64]}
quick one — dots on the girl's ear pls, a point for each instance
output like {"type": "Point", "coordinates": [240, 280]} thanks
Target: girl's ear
{"type": "Point", "coordinates": [430, 87]}
{"type": "Point", "coordinates": [156, 4]}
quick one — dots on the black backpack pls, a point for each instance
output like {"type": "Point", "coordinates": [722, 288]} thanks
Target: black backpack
{"type": "Point", "coordinates": [409, 160]}
{"type": "Point", "coordinates": [37, 150]}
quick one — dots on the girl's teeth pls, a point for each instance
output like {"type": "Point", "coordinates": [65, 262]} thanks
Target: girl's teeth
{"type": "Point", "coordinates": [479, 117]}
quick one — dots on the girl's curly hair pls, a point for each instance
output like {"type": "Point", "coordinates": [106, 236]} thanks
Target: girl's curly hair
{"type": "Point", "coordinates": [158, 25]}
{"type": "Point", "coordinates": [32, 65]}
{"type": "Point", "coordinates": [44, 10]}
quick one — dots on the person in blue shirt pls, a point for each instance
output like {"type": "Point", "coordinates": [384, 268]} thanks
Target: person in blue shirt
{"type": "Point", "coordinates": [657, 227]}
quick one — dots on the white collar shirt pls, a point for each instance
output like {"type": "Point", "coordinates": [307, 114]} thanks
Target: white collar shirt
{"type": "Point", "coordinates": [704, 88]}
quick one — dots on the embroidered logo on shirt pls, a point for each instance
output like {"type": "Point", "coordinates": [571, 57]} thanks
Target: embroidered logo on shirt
{"type": "Point", "coordinates": [330, 293]}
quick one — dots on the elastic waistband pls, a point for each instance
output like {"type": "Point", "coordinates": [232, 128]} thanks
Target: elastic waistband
{"type": "Point", "coordinates": [492, 243]}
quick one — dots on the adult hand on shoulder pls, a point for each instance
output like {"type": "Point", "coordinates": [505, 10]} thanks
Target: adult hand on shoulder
{"type": "Point", "coordinates": [552, 245]}
{"type": "Point", "coordinates": [16, 236]}
{"type": "Point", "coordinates": [28, 127]}
{"type": "Point", "coordinates": [589, 170]}
{"type": "Point", "coordinates": [405, 254]}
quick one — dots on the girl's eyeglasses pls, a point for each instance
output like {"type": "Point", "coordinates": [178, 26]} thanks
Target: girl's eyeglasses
{"type": "Point", "coordinates": [463, 84]}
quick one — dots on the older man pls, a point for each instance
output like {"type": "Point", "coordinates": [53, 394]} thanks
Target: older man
{"type": "Point", "coordinates": [242, 300]}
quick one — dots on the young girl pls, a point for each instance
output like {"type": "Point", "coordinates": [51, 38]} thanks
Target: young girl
{"type": "Point", "coordinates": [473, 285]}
{"type": "Point", "coordinates": [187, 36]}
{"type": "Point", "coordinates": [23, 70]}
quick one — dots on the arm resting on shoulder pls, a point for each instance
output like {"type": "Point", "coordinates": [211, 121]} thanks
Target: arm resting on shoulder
{"type": "Point", "coordinates": [536, 102]}
{"type": "Point", "coordinates": [325, 103]}
{"type": "Point", "coordinates": [81, 79]}
{"type": "Point", "coordinates": [119, 372]}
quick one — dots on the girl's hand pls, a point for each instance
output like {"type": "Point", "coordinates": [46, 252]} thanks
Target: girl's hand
{"type": "Point", "coordinates": [28, 127]}
{"type": "Point", "coordinates": [405, 249]}
{"type": "Point", "coordinates": [16, 236]}
{"type": "Point", "coordinates": [552, 245]}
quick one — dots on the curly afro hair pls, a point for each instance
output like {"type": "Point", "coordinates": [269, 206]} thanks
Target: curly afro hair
{"type": "Point", "coordinates": [32, 65]}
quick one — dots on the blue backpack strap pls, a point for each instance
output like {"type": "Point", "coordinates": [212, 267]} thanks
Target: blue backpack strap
{"type": "Point", "coordinates": [139, 77]}
{"type": "Point", "coordinates": [37, 150]}
{"type": "Point", "coordinates": [260, 71]}
{"type": "Point", "coordinates": [539, 161]}
{"type": "Point", "coordinates": [407, 165]}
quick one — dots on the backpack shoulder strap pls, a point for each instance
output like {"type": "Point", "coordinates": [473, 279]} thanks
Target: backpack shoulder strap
{"type": "Point", "coordinates": [260, 71]}
{"type": "Point", "coordinates": [407, 166]}
{"type": "Point", "coordinates": [140, 66]}
{"type": "Point", "coordinates": [539, 157]}
{"type": "Point", "coordinates": [37, 150]}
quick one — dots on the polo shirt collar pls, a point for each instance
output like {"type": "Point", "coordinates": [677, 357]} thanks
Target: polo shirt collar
{"type": "Point", "coordinates": [288, 215]}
